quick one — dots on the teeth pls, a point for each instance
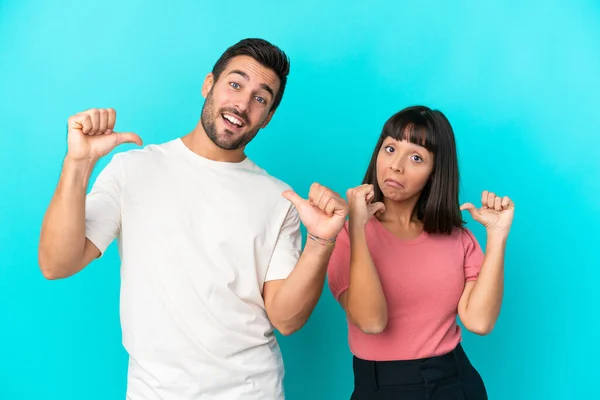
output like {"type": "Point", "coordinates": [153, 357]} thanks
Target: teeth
{"type": "Point", "coordinates": [233, 120]}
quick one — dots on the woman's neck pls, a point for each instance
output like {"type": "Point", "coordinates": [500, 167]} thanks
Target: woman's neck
{"type": "Point", "coordinates": [400, 213]}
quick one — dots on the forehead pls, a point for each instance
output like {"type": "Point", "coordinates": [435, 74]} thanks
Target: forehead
{"type": "Point", "coordinates": [256, 72]}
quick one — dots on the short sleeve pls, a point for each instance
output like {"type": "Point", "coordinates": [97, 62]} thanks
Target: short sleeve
{"type": "Point", "coordinates": [473, 255]}
{"type": "Point", "coordinates": [338, 270]}
{"type": "Point", "coordinates": [103, 205]}
{"type": "Point", "coordinates": [287, 248]}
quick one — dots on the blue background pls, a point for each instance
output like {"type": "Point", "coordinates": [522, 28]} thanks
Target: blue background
{"type": "Point", "coordinates": [519, 82]}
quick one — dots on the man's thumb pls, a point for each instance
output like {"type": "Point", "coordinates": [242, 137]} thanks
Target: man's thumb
{"type": "Point", "coordinates": [293, 197]}
{"type": "Point", "coordinates": [128, 137]}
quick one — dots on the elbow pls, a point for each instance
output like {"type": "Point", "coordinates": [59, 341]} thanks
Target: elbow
{"type": "Point", "coordinates": [372, 326]}
{"type": "Point", "coordinates": [52, 276]}
{"type": "Point", "coordinates": [370, 322]}
{"type": "Point", "coordinates": [50, 269]}
{"type": "Point", "coordinates": [287, 329]}
{"type": "Point", "coordinates": [482, 328]}
{"type": "Point", "coordinates": [50, 273]}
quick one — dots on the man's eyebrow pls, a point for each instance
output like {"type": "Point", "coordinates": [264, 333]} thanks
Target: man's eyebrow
{"type": "Point", "coordinates": [246, 77]}
{"type": "Point", "coordinates": [267, 88]}
{"type": "Point", "coordinates": [242, 73]}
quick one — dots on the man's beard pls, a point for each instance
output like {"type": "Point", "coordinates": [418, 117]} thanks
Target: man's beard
{"type": "Point", "coordinates": [224, 141]}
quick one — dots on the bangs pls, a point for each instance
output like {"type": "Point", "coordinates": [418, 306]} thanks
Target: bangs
{"type": "Point", "coordinates": [414, 127]}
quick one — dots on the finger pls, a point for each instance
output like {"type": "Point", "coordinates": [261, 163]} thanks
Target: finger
{"type": "Point", "coordinates": [364, 190]}
{"type": "Point", "coordinates": [370, 197]}
{"type": "Point", "coordinates": [484, 198]}
{"type": "Point", "coordinates": [128, 137]}
{"type": "Point", "coordinates": [74, 122]}
{"type": "Point", "coordinates": [491, 200]}
{"type": "Point", "coordinates": [467, 206]}
{"type": "Point", "coordinates": [506, 202]}
{"type": "Point", "coordinates": [367, 188]}
{"type": "Point", "coordinates": [83, 122]}
{"type": "Point", "coordinates": [470, 207]}
{"type": "Point", "coordinates": [474, 211]}
{"type": "Point", "coordinates": [498, 203]}
{"type": "Point", "coordinates": [330, 207]}
{"type": "Point", "coordinates": [95, 117]}
{"type": "Point", "coordinates": [103, 124]}
{"type": "Point", "coordinates": [324, 200]}
{"type": "Point", "coordinates": [112, 119]}
{"type": "Point", "coordinates": [341, 206]}
{"type": "Point", "coordinates": [315, 193]}
{"type": "Point", "coordinates": [376, 207]}
{"type": "Point", "coordinates": [350, 194]}
{"type": "Point", "coordinates": [293, 198]}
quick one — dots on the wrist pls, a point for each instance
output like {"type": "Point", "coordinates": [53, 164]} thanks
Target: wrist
{"type": "Point", "coordinates": [495, 236]}
{"type": "Point", "coordinates": [78, 164]}
{"type": "Point", "coordinates": [327, 242]}
{"type": "Point", "coordinates": [318, 248]}
{"type": "Point", "coordinates": [357, 233]}
{"type": "Point", "coordinates": [77, 171]}
{"type": "Point", "coordinates": [356, 222]}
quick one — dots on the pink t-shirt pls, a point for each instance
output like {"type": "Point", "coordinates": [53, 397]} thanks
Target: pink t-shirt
{"type": "Point", "coordinates": [422, 279]}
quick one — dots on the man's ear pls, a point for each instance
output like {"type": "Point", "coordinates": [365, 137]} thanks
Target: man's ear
{"type": "Point", "coordinates": [209, 81]}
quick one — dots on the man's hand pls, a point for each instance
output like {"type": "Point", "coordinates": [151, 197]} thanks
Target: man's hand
{"type": "Point", "coordinates": [323, 214]}
{"type": "Point", "coordinates": [91, 135]}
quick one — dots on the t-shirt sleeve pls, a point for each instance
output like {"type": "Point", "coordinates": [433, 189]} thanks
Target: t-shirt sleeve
{"type": "Point", "coordinates": [287, 248]}
{"type": "Point", "coordinates": [103, 205]}
{"type": "Point", "coordinates": [338, 270]}
{"type": "Point", "coordinates": [473, 255]}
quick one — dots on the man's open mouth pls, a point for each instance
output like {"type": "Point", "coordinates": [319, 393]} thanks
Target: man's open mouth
{"type": "Point", "coordinates": [232, 121]}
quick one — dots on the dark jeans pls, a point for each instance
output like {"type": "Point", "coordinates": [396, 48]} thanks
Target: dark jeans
{"type": "Point", "coordinates": [447, 377]}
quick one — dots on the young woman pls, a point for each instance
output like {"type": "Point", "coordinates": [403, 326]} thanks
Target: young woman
{"type": "Point", "coordinates": [404, 266]}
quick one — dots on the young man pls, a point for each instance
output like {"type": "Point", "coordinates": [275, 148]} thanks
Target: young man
{"type": "Point", "coordinates": [209, 242]}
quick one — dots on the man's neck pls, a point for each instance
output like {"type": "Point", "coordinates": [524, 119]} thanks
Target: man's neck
{"type": "Point", "coordinates": [199, 142]}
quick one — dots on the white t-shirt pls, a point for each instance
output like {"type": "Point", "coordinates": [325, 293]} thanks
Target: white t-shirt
{"type": "Point", "coordinates": [197, 240]}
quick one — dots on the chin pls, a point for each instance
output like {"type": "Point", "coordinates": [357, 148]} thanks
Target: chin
{"type": "Point", "coordinates": [396, 195]}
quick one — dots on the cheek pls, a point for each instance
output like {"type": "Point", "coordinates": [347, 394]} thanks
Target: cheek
{"type": "Point", "coordinates": [221, 96]}
{"type": "Point", "coordinates": [259, 115]}
{"type": "Point", "coordinates": [420, 178]}
{"type": "Point", "coordinates": [380, 167]}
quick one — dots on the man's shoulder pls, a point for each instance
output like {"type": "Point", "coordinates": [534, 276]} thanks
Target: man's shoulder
{"type": "Point", "coordinates": [269, 179]}
{"type": "Point", "coordinates": [147, 153]}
